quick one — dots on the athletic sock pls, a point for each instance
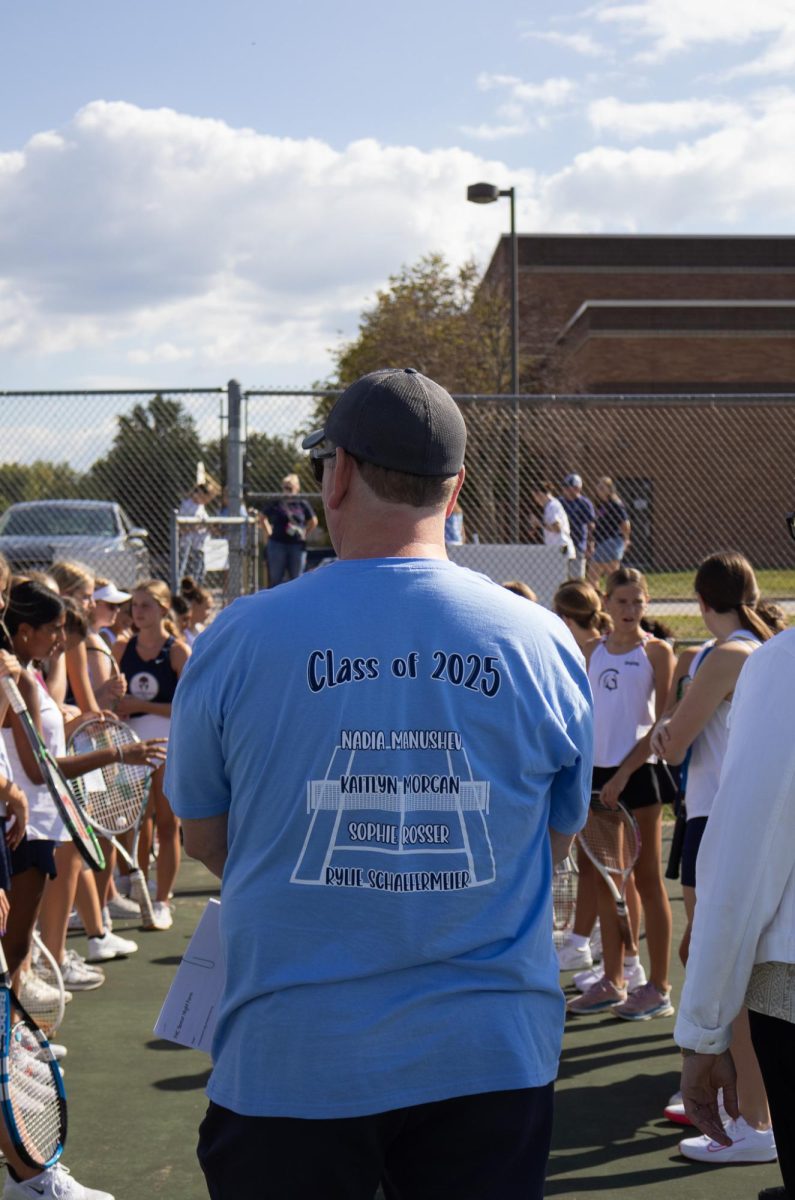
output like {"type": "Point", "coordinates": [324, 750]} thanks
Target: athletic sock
{"type": "Point", "coordinates": [578, 941]}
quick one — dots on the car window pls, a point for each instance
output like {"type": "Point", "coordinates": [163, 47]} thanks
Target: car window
{"type": "Point", "coordinates": [58, 521]}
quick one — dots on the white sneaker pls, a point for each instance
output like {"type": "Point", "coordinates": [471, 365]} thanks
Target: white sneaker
{"type": "Point", "coordinates": [102, 949]}
{"type": "Point", "coordinates": [123, 909]}
{"type": "Point", "coordinates": [634, 978]}
{"type": "Point", "coordinates": [37, 995]}
{"type": "Point", "coordinates": [574, 958]}
{"type": "Point", "coordinates": [749, 1145]}
{"type": "Point", "coordinates": [56, 1183]}
{"type": "Point", "coordinates": [163, 917]}
{"type": "Point", "coordinates": [78, 976]}
{"type": "Point", "coordinates": [75, 920]}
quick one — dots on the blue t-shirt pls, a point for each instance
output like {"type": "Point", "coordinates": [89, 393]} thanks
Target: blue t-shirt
{"type": "Point", "coordinates": [581, 514]}
{"type": "Point", "coordinates": [391, 739]}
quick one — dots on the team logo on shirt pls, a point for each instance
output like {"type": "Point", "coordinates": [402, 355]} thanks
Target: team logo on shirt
{"type": "Point", "coordinates": [144, 686]}
{"type": "Point", "coordinates": [609, 679]}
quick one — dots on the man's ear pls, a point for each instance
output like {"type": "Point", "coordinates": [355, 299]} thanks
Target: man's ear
{"type": "Point", "coordinates": [340, 482]}
{"type": "Point", "coordinates": [454, 497]}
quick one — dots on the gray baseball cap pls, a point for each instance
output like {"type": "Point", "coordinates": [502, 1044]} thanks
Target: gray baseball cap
{"type": "Point", "coordinates": [572, 481]}
{"type": "Point", "coordinates": [398, 419]}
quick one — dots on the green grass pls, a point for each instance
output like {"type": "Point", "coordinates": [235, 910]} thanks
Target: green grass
{"type": "Point", "coordinates": [773, 584]}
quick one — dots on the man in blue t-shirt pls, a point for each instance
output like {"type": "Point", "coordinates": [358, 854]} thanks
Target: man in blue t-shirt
{"type": "Point", "coordinates": [582, 518]}
{"type": "Point", "coordinates": [382, 762]}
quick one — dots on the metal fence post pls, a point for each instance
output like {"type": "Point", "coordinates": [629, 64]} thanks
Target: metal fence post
{"type": "Point", "coordinates": [234, 479]}
{"type": "Point", "coordinates": [173, 550]}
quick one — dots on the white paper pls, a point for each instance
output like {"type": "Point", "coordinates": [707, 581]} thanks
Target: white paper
{"type": "Point", "coordinates": [190, 1010]}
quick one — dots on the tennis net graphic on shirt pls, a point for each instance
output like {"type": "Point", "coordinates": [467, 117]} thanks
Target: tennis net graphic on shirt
{"type": "Point", "coordinates": [397, 811]}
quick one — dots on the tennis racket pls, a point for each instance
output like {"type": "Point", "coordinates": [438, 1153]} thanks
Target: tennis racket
{"type": "Point", "coordinates": [32, 1096]}
{"type": "Point", "coordinates": [45, 1004]}
{"type": "Point", "coordinates": [611, 839]}
{"type": "Point", "coordinates": [564, 897]}
{"type": "Point", "coordinates": [115, 798]}
{"type": "Point", "coordinates": [80, 831]}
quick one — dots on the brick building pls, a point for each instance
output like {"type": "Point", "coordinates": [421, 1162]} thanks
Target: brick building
{"type": "Point", "coordinates": [692, 317]}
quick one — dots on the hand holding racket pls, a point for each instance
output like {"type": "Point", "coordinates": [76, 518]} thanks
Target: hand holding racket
{"type": "Point", "coordinates": [80, 831]}
{"type": "Point", "coordinates": [611, 839]}
{"type": "Point", "coordinates": [32, 1096]}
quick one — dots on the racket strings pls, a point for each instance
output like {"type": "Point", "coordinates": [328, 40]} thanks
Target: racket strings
{"type": "Point", "coordinates": [116, 792]}
{"type": "Point", "coordinates": [34, 1095]}
{"type": "Point", "coordinates": [611, 839]}
{"type": "Point", "coordinates": [564, 896]}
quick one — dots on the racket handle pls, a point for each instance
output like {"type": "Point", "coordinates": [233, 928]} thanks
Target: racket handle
{"type": "Point", "coordinates": [140, 894]}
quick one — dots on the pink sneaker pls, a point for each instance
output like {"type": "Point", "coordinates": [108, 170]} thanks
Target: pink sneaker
{"type": "Point", "coordinates": [600, 995]}
{"type": "Point", "coordinates": [644, 1003]}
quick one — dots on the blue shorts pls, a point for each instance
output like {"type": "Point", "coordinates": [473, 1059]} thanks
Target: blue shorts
{"type": "Point", "coordinates": [694, 832]}
{"type": "Point", "coordinates": [610, 550]}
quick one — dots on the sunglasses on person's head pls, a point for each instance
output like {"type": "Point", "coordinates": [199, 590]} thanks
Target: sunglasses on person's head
{"type": "Point", "coordinates": [791, 524]}
{"type": "Point", "coordinates": [316, 460]}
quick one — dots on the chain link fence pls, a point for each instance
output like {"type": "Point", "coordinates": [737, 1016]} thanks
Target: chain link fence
{"type": "Point", "coordinates": [696, 473]}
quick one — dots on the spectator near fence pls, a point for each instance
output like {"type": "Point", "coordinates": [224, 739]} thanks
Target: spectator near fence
{"type": "Point", "coordinates": [582, 520]}
{"type": "Point", "coordinates": [287, 523]}
{"type": "Point", "coordinates": [611, 533]}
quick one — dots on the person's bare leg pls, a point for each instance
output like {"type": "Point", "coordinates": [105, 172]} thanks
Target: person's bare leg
{"type": "Point", "coordinates": [26, 894]}
{"type": "Point", "coordinates": [654, 898]}
{"type": "Point", "coordinates": [169, 849]}
{"type": "Point", "coordinates": [634, 910]}
{"type": "Point", "coordinates": [689, 898]}
{"type": "Point", "coordinates": [612, 943]}
{"type": "Point", "coordinates": [751, 1094]}
{"type": "Point", "coordinates": [88, 905]}
{"type": "Point", "coordinates": [59, 897]}
{"type": "Point", "coordinates": [585, 912]}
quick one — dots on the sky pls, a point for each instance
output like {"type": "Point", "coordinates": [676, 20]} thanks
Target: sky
{"type": "Point", "coordinates": [193, 190]}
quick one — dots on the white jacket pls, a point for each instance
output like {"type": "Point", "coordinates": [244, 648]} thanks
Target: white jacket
{"type": "Point", "coordinates": [746, 863]}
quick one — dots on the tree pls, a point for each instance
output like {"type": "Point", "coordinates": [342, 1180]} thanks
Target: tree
{"type": "Point", "coordinates": [438, 319]}
{"type": "Point", "coordinates": [150, 467]}
{"type": "Point", "coordinates": [455, 328]}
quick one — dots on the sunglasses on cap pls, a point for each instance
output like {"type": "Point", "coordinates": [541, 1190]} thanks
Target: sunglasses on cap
{"type": "Point", "coordinates": [316, 459]}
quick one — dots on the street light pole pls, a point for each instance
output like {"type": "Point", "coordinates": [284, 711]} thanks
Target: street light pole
{"type": "Point", "coordinates": [487, 193]}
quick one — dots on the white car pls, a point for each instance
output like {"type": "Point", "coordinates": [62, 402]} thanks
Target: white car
{"type": "Point", "coordinates": [36, 533]}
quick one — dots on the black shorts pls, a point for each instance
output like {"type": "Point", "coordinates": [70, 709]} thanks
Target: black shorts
{"type": "Point", "coordinates": [492, 1146]}
{"type": "Point", "coordinates": [34, 852]}
{"type": "Point", "coordinates": [642, 791]}
{"type": "Point", "coordinates": [694, 832]}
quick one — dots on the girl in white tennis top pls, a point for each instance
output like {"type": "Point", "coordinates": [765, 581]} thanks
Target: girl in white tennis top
{"type": "Point", "coordinates": [630, 674]}
{"type": "Point", "coordinates": [728, 597]}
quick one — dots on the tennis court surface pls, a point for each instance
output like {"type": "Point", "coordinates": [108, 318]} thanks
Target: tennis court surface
{"type": "Point", "coordinates": [135, 1102]}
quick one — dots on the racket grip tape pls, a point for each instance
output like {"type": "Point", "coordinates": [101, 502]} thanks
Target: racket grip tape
{"type": "Point", "coordinates": [13, 695]}
{"type": "Point", "coordinates": [140, 894]}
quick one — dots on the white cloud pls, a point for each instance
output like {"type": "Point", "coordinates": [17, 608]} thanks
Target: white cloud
{"type": "Point", "coordinates": [676, 25]}
{"type": "Point", "coordinates": [155, 242]}
{"type": "Point", "coordinates": [632, 121]}
{"type": "Point", "coordinates": [740, 179]}
{"type": "Point", "coordinates": [580, 43]}
{"type": "Point", "coordinates": [550, 92]}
